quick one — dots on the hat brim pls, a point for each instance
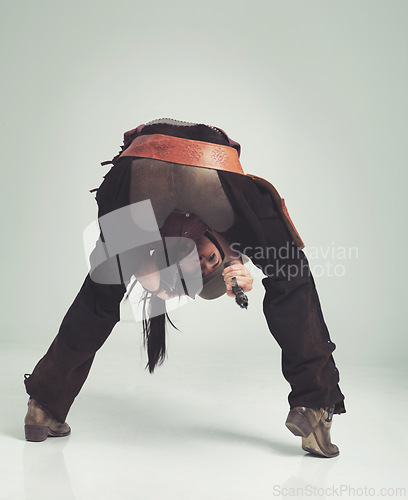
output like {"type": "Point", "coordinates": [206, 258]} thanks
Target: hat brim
{"type": "Point", "coordinates": [214, 285]}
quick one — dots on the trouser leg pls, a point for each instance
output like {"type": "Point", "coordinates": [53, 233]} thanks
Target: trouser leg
{"type": "Point", "coordinates": [60, 374]}
{"type": "Point", "coordinates": [291, 304]}
{"type": "Point", "coordinates": [292, 310]}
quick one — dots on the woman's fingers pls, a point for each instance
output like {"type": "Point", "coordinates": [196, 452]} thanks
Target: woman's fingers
{"type": "Point", "coordinates": [246, 286]}
{"type": "Point", "coordinates": [242, 275]}
{"type": "Point", "coordinates": [235, 270]}
{"type": "Point", "coordinates": [244, 282]}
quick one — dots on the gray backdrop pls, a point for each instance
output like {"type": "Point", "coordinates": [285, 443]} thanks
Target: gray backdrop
{"type": "Point", "coordinates": [315, 91]}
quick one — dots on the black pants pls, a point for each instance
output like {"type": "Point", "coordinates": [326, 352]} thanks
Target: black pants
{"type": "Point", "coordinates": [291, 305]}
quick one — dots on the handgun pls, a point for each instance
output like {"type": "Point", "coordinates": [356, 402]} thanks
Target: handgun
{"type": "Point", "coordinates": [240, 298]}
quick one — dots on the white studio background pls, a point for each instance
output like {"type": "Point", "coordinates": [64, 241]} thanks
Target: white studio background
{"type": "Point", "coordinates": [315, 92]}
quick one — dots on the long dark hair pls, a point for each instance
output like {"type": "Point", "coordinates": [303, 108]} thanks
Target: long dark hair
{"type": "Point", "coordinates": [155, 319]}
{"type": "Point", "coordinates": [154, 332]}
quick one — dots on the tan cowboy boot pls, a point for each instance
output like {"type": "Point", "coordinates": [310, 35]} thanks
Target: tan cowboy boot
{"type": "Point", "coordinates": [39, 423]}
{"type": "Point", "coordinates": [313, 425]}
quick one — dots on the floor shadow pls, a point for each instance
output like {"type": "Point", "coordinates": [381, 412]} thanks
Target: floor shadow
{"type": "Point", "coordinates": [220, 434]}
{"type": "Point", "coordinates": [150, 421]}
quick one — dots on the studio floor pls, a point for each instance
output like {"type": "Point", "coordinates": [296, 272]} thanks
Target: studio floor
{"type": "Point", "coordinates": [209, 424]}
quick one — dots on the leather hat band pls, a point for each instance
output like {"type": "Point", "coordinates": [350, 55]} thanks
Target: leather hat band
{"type": "Point", "coordinates": [185, 151]}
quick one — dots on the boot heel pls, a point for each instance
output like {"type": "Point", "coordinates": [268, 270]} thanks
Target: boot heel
{"type": "Point", "coordinates": [35, 433]}
{"type": "Point", "coordinates": [298, 424]}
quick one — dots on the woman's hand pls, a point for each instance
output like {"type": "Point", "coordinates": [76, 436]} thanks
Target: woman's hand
{"type": "Point", "coordinates": [241, 273]}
